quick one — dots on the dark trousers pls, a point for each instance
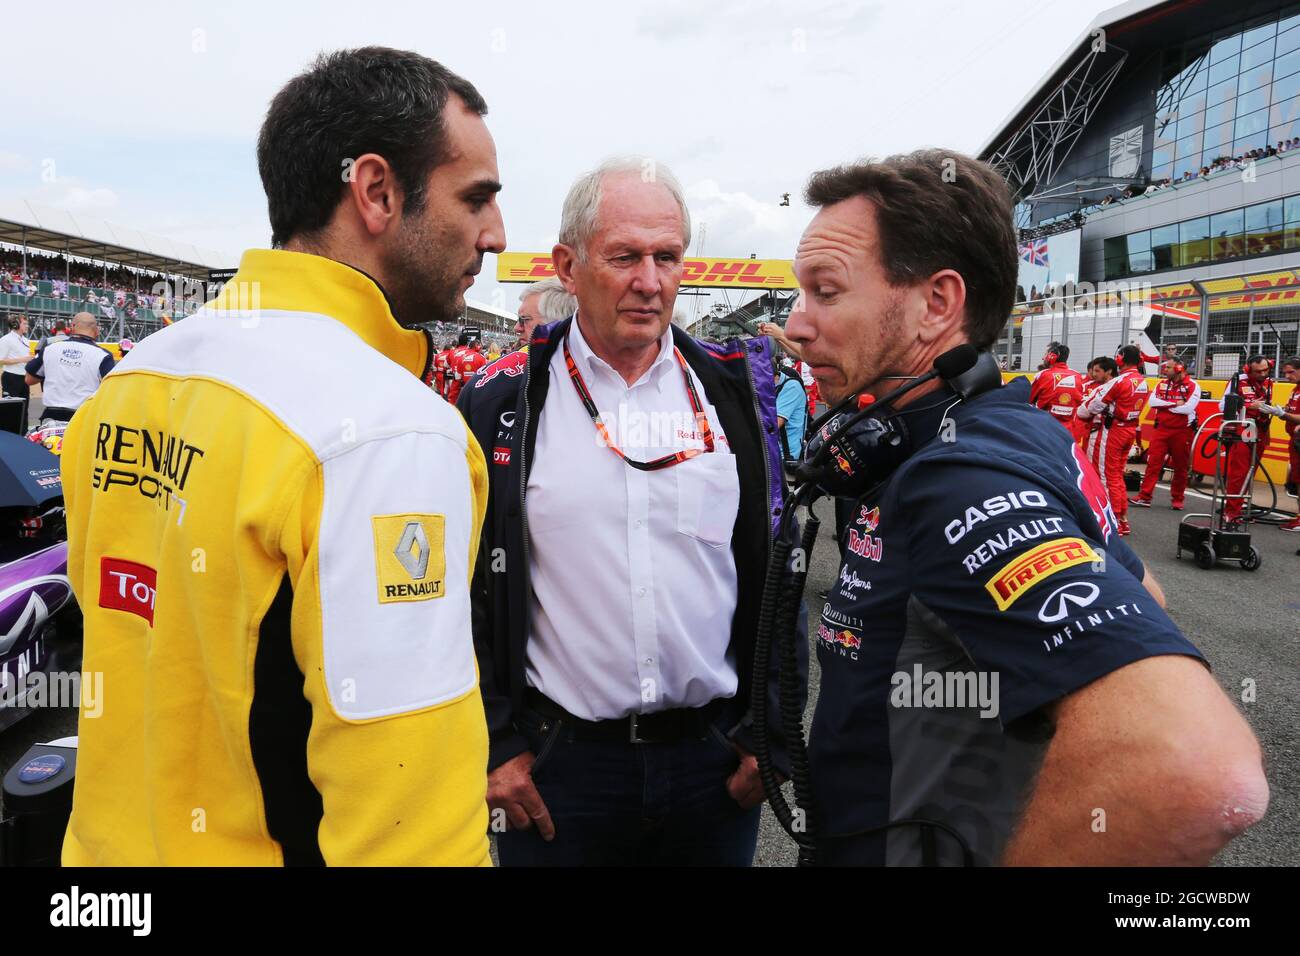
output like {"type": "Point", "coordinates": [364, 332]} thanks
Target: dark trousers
{"type": "Point", "coordinates": [625, 804]}
{"type": "Point", "coordinates": [15, 386]}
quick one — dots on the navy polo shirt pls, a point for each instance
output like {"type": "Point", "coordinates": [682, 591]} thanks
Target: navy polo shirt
{"type": "Point", "coordinates": [982, 581]}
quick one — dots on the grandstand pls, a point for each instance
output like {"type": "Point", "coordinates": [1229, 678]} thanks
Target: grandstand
{"type": "Point", "coordinates": [54, 263]}
{"type": "Point", "coordinates": [721, 323]}
{"type": "Point", "coordinates": [1168, 136]}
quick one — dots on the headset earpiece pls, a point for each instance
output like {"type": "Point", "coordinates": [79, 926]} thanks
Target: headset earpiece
{"type": "Point", "coordinates": [862, 441]}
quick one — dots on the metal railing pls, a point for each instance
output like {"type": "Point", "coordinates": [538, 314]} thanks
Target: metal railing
{"type": "Point", "coordinates": [1212, 334]}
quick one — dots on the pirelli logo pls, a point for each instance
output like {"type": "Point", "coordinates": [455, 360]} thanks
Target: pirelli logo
{"type": "Point", "coordinates": [1035, 565]}
{"type": "Point", "coordinates": [410, 556]}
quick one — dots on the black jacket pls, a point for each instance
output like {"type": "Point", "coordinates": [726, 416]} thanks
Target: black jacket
{"type": "Point", "coordinates": [502, 405]}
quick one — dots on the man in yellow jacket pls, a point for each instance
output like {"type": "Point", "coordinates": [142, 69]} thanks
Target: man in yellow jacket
{"type": "Point", "coordinates": [273, 521]}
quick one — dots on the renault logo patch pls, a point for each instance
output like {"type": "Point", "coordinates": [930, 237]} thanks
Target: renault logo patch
{"type": "Point", "coordinates": [410, 556]}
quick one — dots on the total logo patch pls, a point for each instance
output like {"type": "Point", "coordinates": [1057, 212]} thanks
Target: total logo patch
{"type": "Point", "coordinates": [128, 586]}
{"type": "Point", "coordinates": [410, 557]}
{"type": "Point", "coordinates": [1035, 565]}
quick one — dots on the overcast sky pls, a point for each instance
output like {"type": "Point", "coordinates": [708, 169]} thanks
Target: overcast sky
{"type": "Point", "coordinates": [146, 113]}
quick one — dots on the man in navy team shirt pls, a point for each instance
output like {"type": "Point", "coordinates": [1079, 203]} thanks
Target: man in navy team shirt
{"type": "Point", "coordinates": [1000, 682]}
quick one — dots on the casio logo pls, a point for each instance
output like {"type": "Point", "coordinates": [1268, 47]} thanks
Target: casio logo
{"type": "Point", "coordinates": [956, 529]}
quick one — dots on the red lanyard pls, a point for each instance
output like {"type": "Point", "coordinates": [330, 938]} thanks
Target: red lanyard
{"type": "Point", "coordinates": [667, 461]}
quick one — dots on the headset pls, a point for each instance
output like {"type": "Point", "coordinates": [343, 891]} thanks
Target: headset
{"type": "Point", "coordinates": [1052, 355]}
{"type": "Point", "coordinates": [854, 448]}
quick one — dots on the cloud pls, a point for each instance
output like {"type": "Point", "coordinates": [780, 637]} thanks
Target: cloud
{"type": "Point", "coordinates": [13, 162]}
{"type": "Point", "coordinates": [697, 149]}
{"type": "Point", "coordinates": [76, 198]}
{"type": "Point", "coordinates": [738, 224]}
{"type": "Point", "coordinates": [781, 24]}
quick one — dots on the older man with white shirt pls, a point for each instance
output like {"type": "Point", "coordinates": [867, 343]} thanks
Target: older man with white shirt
{"type": "Point", "coordinates": [634, 483]}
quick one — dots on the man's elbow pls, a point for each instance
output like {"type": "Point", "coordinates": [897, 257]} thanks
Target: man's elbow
{"type": "Point", "coordinates": [1225, 790]}
{"type": "Point", "coordinates": [1242, 793]}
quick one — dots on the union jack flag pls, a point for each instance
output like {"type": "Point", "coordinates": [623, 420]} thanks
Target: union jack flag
{"type": "Point", "coordinates": [1035, 252]}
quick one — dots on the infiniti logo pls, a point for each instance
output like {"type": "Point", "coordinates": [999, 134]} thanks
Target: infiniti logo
{"type": "Point", "coordinates": [1081, 594]}
{"type": "Point", "coordinates": [507, 419]}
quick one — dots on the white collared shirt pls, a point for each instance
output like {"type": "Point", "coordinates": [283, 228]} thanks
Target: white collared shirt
{"type": "Point", "coordinates": [14, 345]}
{"type": "Point", "coordinates": [633, 579]}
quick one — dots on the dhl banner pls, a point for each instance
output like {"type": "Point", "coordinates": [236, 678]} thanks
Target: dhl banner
{"type": "Point", "coordinates": [1275, 458]}
{"type": "Point", "coordinates": [702, 273]}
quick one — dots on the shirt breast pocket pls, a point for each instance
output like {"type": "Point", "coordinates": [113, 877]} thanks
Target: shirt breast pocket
{"type": "Point", "coordinates": [708, 497]}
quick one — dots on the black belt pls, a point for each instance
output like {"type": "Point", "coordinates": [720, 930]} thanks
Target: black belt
{"type": "Point", "coordinates": [660, 727]}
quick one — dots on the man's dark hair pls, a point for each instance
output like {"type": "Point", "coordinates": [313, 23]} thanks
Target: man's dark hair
{"type": "Point", "coordinates": [1293, 361]}
{"type": "Point", "coordinates": [348, 103]}
{"type": "Point", "coordinates": [1131, 354]}
{"type": "Point", "coordinates": [1106, 362]}
{"type": "Point", "coordinates": [937, 209]}
{"type": "Point", "coordinates": [1255, 359]}
{"type": "Point", "coordinates": [1062, 351]}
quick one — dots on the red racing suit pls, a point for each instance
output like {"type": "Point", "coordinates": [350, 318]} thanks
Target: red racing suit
{"type": "Point", "coordinates": [1080, 426]}
{"type": "Point", "coordinates": [1244, 457]}
{"type": "Point", "coordinates": [1113, 411]}
{"type": "Point", "coordinates": [441, 366]}
{"type": "Point", "coordinates": [1141, 392]}
{"type": "Point", "coordinates": [809, 387]}
{"type": "Point", "coordinates": [1171, 435]}
{"type": "Point", "coordinates": [469, 361]}
{"type": "Point", "coordinates": [453, 359]}
{"type": "Point", "coordinates": [1058, 390]}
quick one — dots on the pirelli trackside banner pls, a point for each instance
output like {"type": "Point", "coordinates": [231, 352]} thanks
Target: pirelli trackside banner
{"type": "Point", "coordinates": [706, 273]}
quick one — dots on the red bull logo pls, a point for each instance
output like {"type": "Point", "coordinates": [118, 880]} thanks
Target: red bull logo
{"type": "Point", "coordinates": [510, 365]}
{"type": "Point", "coordinates": [868, 518]}
{"type": "Point", "coordinates": [866, 545]}
{"type": "Point", "coordinates": [844, 638]}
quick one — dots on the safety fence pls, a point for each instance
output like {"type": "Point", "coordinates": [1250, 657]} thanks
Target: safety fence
{"type": "Point", "coordinates": [1210, 326]}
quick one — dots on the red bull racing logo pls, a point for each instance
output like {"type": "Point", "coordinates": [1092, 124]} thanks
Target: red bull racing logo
{"type": "Point", "coordinates": [510, 365]}
{"type": "Point", "coordinates": [841, 638]}
{"type": "Point", "coordinates": [866, 545]}
{"type": "Point", "coordinates": [869, 518]}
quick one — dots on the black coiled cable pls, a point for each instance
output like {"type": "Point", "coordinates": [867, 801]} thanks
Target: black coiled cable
{"type": "Point", "coordinates": [777, 623]}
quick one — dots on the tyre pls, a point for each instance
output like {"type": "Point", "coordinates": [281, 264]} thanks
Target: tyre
{"type": "Point", "coordinates": [1252, 560]}
{"type": "Point", "coordinates": [1205, 556]}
